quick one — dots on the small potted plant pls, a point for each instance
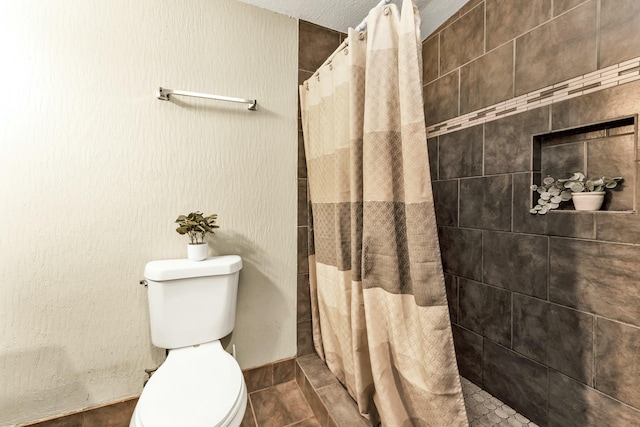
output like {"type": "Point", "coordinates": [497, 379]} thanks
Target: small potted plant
{"type": "Point", "coordinates": [196, 225]}
{"type": "Point", "coordinates": [587, 194]}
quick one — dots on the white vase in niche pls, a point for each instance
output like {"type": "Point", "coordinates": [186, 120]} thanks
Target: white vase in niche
{"type": "Point", "coordinates": [198, 251]}
{"type": "Point", "coordinates": [588, 201]}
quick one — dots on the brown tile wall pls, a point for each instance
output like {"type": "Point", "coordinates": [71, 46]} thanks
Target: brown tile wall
{"type": "Point", "coordinates": [493, 50]}
{"type": "Point", "coordinates": [545, 309]}
{"type": "Point", "coordinates": [316, 43]}
{"type": "Point", "coordinates": [116, 415]}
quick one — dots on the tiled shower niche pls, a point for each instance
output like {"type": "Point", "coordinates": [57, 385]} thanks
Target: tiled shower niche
{"type": "Point", "coordinates": [602, 149]}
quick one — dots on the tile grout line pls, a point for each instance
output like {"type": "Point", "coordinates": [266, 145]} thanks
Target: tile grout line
{"type": "Point", "coordinates": [438, 64]}
{"type": "Point", "coordinates": [548, 268]}
{"type": "Point", "coordinates": [594, 326]}
{"type": "Point", "coordinates": [513, 70]}
{"type": "Point", "coordinates": [459, 84]}
{"type": "Point", "coordinates": [253, 412]}
{"type": "Point", "coordinates": [299, 421]}
{"type": "Point", "coordinates": [597, 52]}
{"type": "Point", "coordinates": [484, 28]}
{"type": "Point", "coordinates": [511, 344]}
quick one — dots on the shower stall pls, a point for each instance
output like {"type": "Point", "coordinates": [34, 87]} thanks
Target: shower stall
{"type": "Point", "coordinates": [544, 309]}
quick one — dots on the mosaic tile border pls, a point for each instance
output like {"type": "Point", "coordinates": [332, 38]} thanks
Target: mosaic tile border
{"type": "Point", "coordinates": [604, 78]}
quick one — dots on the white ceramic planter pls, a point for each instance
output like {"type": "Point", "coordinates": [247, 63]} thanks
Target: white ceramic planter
{"type": "Point", "coordinates": [197, 252]}
{"type": "Point", "coordinates": [588, 201]}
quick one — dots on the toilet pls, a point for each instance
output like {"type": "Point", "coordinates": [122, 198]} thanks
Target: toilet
{"type": "Point", "coordinates": [192, 305]}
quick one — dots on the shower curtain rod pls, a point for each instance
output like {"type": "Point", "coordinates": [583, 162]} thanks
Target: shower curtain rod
{"type": "Point", "coordinates": [362, 26]}
{"type": "Point", "coordinates": [163, 94]}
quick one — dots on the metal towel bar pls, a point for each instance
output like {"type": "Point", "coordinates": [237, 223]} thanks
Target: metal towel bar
{"type": "Point", "coordinates": [164, 95]}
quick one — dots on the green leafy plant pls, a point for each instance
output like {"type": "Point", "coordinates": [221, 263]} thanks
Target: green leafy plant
{"type": "Point", "coordinates": [553, 191]}
{"type": "Point", "coordinates": [551, 194]}
{"type": "Point", "coordinates": [196, 225]}
{"type": "Point", "coordinates": [579, 184]}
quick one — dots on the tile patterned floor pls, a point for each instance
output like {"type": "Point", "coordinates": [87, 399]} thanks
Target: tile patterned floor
{"type": "Point", "coordinates": [484, 410]}
{"type": "Point", "coordinates": [282, 405]}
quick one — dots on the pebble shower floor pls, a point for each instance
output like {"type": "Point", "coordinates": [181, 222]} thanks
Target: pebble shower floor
{"type": "Point", "coordinates": [485, 410]}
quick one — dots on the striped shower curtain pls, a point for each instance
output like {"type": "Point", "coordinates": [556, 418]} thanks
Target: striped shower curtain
{"type": "Point", "coordinates": [380, 316]}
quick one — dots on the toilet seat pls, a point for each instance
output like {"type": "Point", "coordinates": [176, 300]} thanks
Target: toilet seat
{"type": "Point", "coordinates": [196, 386]}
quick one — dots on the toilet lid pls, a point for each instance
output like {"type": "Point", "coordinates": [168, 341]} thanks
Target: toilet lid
{"type": "Point", "coordinates": [195, 386]}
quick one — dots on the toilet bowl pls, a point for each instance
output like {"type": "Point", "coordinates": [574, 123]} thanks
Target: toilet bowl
{"type": "Point", "coordinates": [196, 386]}
{"type": "Point", "coordinates": [192, 305]}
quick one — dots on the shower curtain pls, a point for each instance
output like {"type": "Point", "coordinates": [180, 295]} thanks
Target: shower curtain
{"type": "Point", "coordinates": [380, 316]}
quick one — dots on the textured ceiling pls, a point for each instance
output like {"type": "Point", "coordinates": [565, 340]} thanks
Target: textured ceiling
{"type": "Point", "coordinates": [342, 14]}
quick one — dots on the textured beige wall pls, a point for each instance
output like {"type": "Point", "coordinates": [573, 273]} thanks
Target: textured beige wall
{"type": "Point", "coordinates": [94, 169]}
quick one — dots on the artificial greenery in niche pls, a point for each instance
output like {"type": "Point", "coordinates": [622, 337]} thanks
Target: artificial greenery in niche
{"type": "Point", "coordinates": [554, 192]}
{"type": "Point", "coordinates": [196, 225]}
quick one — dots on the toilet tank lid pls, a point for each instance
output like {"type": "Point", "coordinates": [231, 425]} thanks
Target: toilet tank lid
{"type": "Point", "coordinates": [173, 269]}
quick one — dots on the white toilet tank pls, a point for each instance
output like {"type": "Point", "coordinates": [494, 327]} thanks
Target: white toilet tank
{"type": "Point", "coordinates": [192, 302]}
